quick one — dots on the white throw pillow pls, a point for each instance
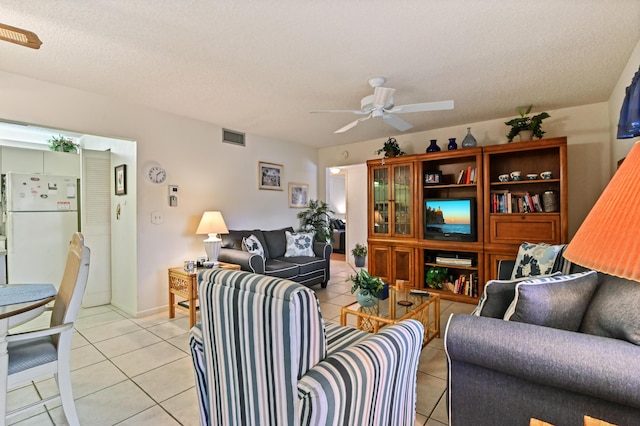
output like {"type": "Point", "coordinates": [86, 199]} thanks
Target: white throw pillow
{"type": "Point", "coordinates": [252, 245]}
{"type": "Point", "coordinates": [300, 244]}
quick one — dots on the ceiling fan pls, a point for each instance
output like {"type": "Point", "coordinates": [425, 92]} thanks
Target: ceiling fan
{"type": "Point", "coordinates": [380, 104]}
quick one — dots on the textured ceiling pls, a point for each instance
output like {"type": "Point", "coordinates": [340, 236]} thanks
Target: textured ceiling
{"type": "Point", "coordinates": [260, 66]}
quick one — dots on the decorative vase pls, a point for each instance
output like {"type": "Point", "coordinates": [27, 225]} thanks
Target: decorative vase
{"type": "Point", "coordinates": [452, 144]}
{"type": "Point", "coordinates": [525, 135]}
{"type": "Point", "coordinates": [434, 146]}
{"type": "Point", "coordinates": [359, 261]}
{"type": "Point", "coordinates": [469, 141]}
{"type": "Point", "coordinates": [366, 300]}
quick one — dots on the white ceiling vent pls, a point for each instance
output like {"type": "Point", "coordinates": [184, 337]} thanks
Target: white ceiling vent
{"type": "Point", "coordinates": [233, 137]}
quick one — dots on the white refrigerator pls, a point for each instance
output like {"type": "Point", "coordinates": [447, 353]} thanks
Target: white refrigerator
{"type": "Point", "coordinates": [40, 215]}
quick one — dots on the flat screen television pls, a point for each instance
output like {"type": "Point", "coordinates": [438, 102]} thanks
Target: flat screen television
{"type": "Point", "coordinates": [450, 219]}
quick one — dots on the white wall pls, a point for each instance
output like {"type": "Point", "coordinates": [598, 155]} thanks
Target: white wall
{"type": "Point", "coordinates": [586, 128]}
{"type": "Point", "coordinates": [337, 196]}
{"type": "Point", "coordinates": [356, 208]}
{"type": "Point", "coordinates": [210, 175]}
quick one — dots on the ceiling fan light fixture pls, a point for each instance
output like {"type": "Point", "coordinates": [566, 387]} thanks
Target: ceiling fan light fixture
{"type": "Point", "coordinates": [19, 36]}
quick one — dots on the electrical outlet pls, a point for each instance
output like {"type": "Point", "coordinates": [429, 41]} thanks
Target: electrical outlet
{"type": "Point", "coordinates": [157, 217]}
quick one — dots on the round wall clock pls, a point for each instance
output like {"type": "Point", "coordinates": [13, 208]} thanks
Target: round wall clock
{"type": "Point", "coordinates": [157, 174]}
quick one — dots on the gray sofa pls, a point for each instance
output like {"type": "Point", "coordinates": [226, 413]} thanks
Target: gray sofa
{"type": "Point", "coordinates": [301, 269]}
{"type": "Point", "coordinates": [507, 372]}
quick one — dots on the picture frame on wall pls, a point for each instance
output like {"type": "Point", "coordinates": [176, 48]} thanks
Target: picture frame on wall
{"type": "Point", "coordinates": [120, 177]}
{"type": "Point", "coordinates": [298, 195]}
{"type": "Point", "coordinates": [270, 176]}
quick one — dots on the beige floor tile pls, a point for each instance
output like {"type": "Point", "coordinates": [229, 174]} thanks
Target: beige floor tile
{"type": "Point", "coordinates": [420, 420]}
{"type": "Point", "coordinates": [127, 343]}
{"type": "Point", "coordinates": [155, 416]}
{"type": "Point", "coordinates": [432, 422]}
{"type": "Point", "coordinates": [20, 397]}
{"type": "Point", "coordinates": [170, 329]}
{"type": "Point", "coordinates": [181, 342]}
{"type": "Point", "coordinates": [147, 358]}
{"type": "Point", "coordinates": [42, 419]}
{"type": "Point", "coordinates": [168, 380]}
{"type": "Point", "coordinates": [430, 389]}
{"type": "Point", "coordinates": [102, 318]}
{"type": "Point", "coordinates": [107, 331]}
{"type": "Point", "coordinates": [339, 287]}
{"type": "Point", "coordinates": [78, 341]}
{"type": "Point", "coordinates": [343, 299]}
{"type": "Point", "coordinates": [329, 310]}
{"type": "Point", "coordinates": [108, 406]}
{"type": "Point", "coordinates": [434, 362]}
{"type": "Point", "coordinates": [440, 413]}
{"type": "Point", "coordinates": [184, 407]}
{"type": "Point", "coordinates": [85, 355]}
{"type": "Point", "coordinates": [157, 318]}
{"type": "Point", "coordinates": [94, 310]}
{"type": "Point", "coordinates": [324, 294]}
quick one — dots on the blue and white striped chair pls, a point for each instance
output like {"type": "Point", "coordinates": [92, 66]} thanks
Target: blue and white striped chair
{"type": "Point", "coordinates": [263, 356]}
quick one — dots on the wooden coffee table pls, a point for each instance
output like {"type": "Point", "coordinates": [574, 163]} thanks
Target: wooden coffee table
{"type": "Point", "coordinates": [400, 305]}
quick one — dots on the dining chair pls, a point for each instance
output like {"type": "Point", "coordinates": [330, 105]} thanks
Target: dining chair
{"type": "Point", "coordinates": [40, 353]}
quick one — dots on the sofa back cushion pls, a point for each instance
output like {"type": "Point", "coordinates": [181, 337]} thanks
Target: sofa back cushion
{"type": "Point", "coordinates": [613, 310]}
{"type": "Point", "coordinates": [276, 242]}
{"type": "Point", "coordinates": [234, 240]}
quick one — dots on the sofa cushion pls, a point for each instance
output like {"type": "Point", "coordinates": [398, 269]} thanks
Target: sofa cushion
{"type": "Point", "coordinates": [613, 310]}
{"type": "Point", "coordinates": [233, 240]}
{"type": "Point", "coordinates": [300, 244]}
{"type": "Point", "coordinates": [306, 264]}
{"type": "Point", "coordinates": [253, 245]}
{"type": "Point", "coordinates": [280, 269]}
{"type": "Point", "coordinates": [536, 259]}
{"type": "Point", "coordinates": [276, 242]}
{"type": "Point", "coordinates": [497, 296]}
{"type": "Point", "coordinates": [556, 302]}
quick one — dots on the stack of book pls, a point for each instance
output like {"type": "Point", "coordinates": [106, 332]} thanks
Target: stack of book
{"type": "Point", "coordinates": [466, 285]}
{"type": "Point", "coordinates": [467, 175]}
{"type": "Point", "coordinates": [507, 202]}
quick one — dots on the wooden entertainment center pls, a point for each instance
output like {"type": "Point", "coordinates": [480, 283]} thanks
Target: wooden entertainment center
{"type": "Point", "coordinates": [507, 212]}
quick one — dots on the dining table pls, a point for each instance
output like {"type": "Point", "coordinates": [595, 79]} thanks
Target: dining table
{"type": "Point", "coordinates": [18, 303]}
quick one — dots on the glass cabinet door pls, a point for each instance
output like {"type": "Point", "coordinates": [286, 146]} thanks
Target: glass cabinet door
{"type": "Point", "coordinates": [402, 200]}
{"type": "Point", "coordinates": [381, 199]}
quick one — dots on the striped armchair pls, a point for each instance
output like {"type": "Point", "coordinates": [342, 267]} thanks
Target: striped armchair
{"type": "Point", "coordinates": [263, 356]}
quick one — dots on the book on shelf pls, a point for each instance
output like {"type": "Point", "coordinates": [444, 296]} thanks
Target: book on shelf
{"type": "Point", "coordinates": [466, 285]}
{"type": "Point", "coordinates": [512, 202]}
{"type": "Point", "coordinates": [467, 176]}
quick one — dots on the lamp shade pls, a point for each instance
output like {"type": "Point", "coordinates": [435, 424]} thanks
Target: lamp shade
{"type": "Point", "coordinates": [609, 238]}
{"type": "Point", "coordinates": [212, 223]}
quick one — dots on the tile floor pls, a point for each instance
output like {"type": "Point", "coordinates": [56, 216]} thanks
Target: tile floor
{"type": "Point", "coordinates": [128, 371]}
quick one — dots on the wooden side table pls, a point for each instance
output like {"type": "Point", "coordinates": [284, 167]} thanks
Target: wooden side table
{"type": "Point", "coordinates": [185, 285]}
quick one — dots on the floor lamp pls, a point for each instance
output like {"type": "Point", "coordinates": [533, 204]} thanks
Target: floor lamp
{"type": "Point", "coordinates": [213, 224]}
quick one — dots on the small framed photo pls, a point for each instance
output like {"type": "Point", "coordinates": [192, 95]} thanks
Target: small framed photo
{"type": "Point", "coordinates": [270, 176]}
{"type": "Point", "coordinates": [120, 177]}
{"type": "Point", "coordinates": [298, 195]}
{"type": "Point", "coordinates": [433, 178]}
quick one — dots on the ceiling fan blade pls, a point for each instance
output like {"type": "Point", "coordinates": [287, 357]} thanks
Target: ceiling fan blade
{"type": "Point", "coordinates": [382, 96]}
{"type": "Point", "coordinates": [351, 125]}
{"type": "Point", "coordinates": [425, 106]}
{"type": "Point", "coordinates": [353, 111]}
{"type": "Point", "coordinates": [396, 122]}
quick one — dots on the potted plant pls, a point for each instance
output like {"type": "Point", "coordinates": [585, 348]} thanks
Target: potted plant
{"type": "Point", "coordinates": [359, 253]}
{"type": "Point", "coordinates": [436, 277]}
{"type": "Point", "coordinates": [524, 123]}
{"type": "Point", "coordinates": [63, 144]}
{"type": "Point", "coordinates": [391, 148]}
{"type": "Point", "coordinates": [368, 287]}
{"type": "Point", "coordinates": [317, 218]}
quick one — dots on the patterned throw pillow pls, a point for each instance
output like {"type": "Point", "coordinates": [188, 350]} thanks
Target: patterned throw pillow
{"type": "Point", "coordinates": [556, 302]}
{"type": "Point", "coordinates": [252, 245]}
{"type": "Point", "coordinates": [300, 244]}
{"type": "Point", "coordinates": [536, 259]}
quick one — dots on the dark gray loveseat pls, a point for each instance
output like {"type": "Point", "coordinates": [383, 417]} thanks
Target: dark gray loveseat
{"type": "Point", "coordinates": [506, 372]}
{"type": "Point", "coordinates": [301, 269]}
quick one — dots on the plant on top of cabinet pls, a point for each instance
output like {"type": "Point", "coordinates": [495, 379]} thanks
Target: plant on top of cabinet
{"type": "Point", "coordinates": [524, 123]}
{"type": "Point", "coordinates": [61, 143]}
{"type": "Point", "coordinates": [391, 148]}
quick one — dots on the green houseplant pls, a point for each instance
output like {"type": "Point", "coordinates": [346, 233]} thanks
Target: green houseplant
{"type": "Point", "coordinates": [317, 219]}
{"type": "Point", "coordinates": [391, 148]}
{"type": "Point", "coordinates": [525, 123]}
{"type": "Point", "coordinates": [61, 143]}
{"type": "Point", "coordinates": [359, 252]}
{"type": "Point", "coordinates": [436, 277]}
{"type": "Point", "coordinates": [368, 287]}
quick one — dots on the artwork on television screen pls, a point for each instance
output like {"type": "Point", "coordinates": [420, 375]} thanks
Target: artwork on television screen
{"type": "Point", "coordinates": [450, 219]}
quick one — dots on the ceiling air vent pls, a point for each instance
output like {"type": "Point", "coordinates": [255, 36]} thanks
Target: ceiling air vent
{"type": "Point", "coordinates": [230, 136]}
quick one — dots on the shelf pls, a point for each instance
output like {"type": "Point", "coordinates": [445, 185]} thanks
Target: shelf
{"type": "Point", "coordinates": [448, 265]}
{"type": "Point", "coordinates": [449, 295]}
{"type": "Point", "coordinates": [454, 185]}
{"type": "Point", "coordinates": [524, 182]}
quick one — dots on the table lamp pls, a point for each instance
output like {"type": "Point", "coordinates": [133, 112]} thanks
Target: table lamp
{"type": "Point", "coordinates": [213, 224]}
{"type": "Point", "coordinates": [609, 238]}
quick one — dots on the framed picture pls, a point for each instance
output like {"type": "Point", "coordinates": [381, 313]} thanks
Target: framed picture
{"type": "Point", "coordinates": [298, 195]}
{"type": "Point", "coordinates": [270, 176]}
{"type": "Point", "coordinates": [433, 178]}
{"type": "Point", "coordinates": [121, 179]}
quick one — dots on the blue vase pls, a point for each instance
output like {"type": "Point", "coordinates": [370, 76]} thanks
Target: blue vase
{"type": "Point", "coordinates": [366, 299]}
{"type": "Point", "coordinates": [434, 146]}
{"type": "Point", "coordinates": [452, 144]}
{"type": "Point", "coordinates": [469, 141]}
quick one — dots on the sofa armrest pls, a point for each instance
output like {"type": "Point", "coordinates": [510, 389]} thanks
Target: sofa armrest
{"type": "Point", "coordinates": [582, 363]}
{"type": "Point", "coordinates": [322, 250]}
{"type": "Point", "coordinates": [383, 364]}
{"type": "Point", "coordinates": [248, 261]}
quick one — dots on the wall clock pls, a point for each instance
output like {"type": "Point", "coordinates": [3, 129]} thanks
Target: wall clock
{"type": "Point", "coordinates": [157, 174]}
